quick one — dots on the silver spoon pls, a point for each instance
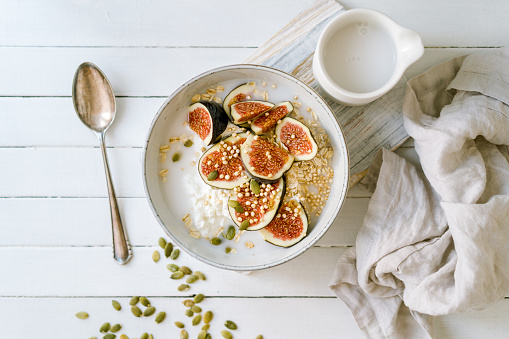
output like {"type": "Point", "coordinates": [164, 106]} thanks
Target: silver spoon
{"type": "Point", "coordinates": [94, 103]}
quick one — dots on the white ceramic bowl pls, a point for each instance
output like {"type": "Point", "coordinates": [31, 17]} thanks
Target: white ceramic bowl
{"type": "Point", "coordinates": [168, 200]}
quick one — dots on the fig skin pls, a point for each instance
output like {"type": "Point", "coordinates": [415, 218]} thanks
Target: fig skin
{"type": "Point", "coordinates": [218, 117]}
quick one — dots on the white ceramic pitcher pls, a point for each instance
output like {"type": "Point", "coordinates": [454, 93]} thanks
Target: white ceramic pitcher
{"type": "Point", "coordinates": [361, 54]}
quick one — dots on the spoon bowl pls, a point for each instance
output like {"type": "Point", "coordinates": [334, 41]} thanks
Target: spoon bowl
{"type": "Point", "coordinates": [94, 103]}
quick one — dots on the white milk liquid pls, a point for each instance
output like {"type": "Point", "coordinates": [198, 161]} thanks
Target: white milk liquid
{"type": "Point", "coordinates": [360, 57]}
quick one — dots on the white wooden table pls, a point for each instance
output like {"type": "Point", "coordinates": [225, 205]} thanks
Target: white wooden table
{"type": "Point", "coordinates": [55, 238]}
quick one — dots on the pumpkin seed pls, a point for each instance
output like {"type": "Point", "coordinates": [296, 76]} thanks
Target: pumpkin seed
{"type": "Point", "coordinates": [105, 328]}
{"type": "Point", "coordinates": [186, 270]}
{"type": "Point", "coordinates": [196, 309]}
{"type": "Point", "coordinates": [233, 203]}
{"type": "Point", "coordinates": [144, 301]}
{"type": "Point", "coordinates": [198, 298]}
{"type": "Point", "coordinates": [167, 249]}
{"type": "Point", "coordinates": [208, 336]}
{"type": "Point", "coordinates": [156, 256]}
{"type": "Point", "coordinates": [244, 225]}
{"type": "Point", "coordinates": [175, 157]}
{"type": "Point", "coordinates": [179, 324]}
{"type": "Point", "coordinates": [205, 327]}
{"type": "Point", "coordinates": [175, 254]}
{"type": "Point", "coordinates": [183, 287]}
{"type": "Point", "coordinates": [136, 311]}
{"type": "Point", "coordinates": [225, 334]}
{"type": "Point", "coordinates": [149, 311]}
{"type": "Point", "coordinates": [172, 267]}
{"type": "Point", "coordinates": [150, 336]}
{"type": "Point", "coordinates": [230, 325]}
{"type": "Point", "coordinates": [215, 241]}
{"type": "Point", "coordinates": [160, 317]}
{"type": "Point", "coordinates": [96, 338]}
{"type": "Point", "coordinates": [230, 234]}
{"type": "Point", "coordinates": [109, 336]}
{"type": "Point", "coordinates": [207, 317]}
{"type": "Point", "coordinates": [188, 303]}
{"type": "Point", "coordinates": [188, 143]}
{"type": "Point", "coordinates": [189, 312]}
{"type": "Point", "coordinates": [202, 334]}
{"type": "Point", "coordinates": [239, 209]}
{"type": "Point", "coordinates": [123, 336]}
{"type": "Point", "coordinates": [82, 315]}
{"type": "Point", "coordinates": [191, 279]}
{"type": "Point", "coordinates": [177, 275]}
{"type": "Point", "coordinates": [196, 320]}
{"type": "Point", "coordinates": [255, 186]}
{"type": "Point", "coordinates": [184, 335]}
{"type": "Point", "coordinates": [115, 328]}
{"type": "Point", "coordinates": [134, 301]}
{"type": "Point", "coordinates": [116, 305]}
{"type": "Point", "coordinates": [212, 175]}
{"type": "Point", "coordinates": [227, 250]}
{"type": "Point", "coordinates": [259, 336]}
{"type": "Point", "coordinates": [144, 336]}
{"type": "Point", "coordinates": [200, 275]}
{"type": "Point", "coordinates": [162, 242]}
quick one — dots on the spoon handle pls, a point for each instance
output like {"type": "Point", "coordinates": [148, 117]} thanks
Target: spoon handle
{"type": "Point", "coordinates": [121, 248]}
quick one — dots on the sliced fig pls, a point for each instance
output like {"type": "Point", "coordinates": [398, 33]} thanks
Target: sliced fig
{"type": "Point", "coordinates": [264, 160]}
{"type": "Point", "coordinates": [269, 119]}
{"type": "Point", "coordinates": [208, 120]}
{"type": "Point", "coordinates": [288, 227]}
{"type": "Point", "coordinates": [221, 166]}
{"type": "Point", "coordinates": [245, 111]}
{"type": "Point", "coordinates": [241, 93]}
{"type": "Point", "coordinates": [297, 139]}
{"type": "Point", "coordinates": [258, 207]}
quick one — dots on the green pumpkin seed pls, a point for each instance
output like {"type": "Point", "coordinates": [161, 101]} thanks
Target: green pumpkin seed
{"type": "Point", "coordinates": [230, 234]}
{"type": "Point", "coordinates": [226, 334]}
{"type": "Point", "coordinates": [134, 301]}
{"type": "Point", "coordinates": [123, 336]}
{"type": "Point", "coordinates": [81, 315]}
{"type": "Point", "coordinates": [179, 324]}
{"type": "Point", "coordinates": [259, 336]}
{"type": "Point", "coordinates": [150, 336]}
{"type": "Point", "coordinates": [196, 309]}
{"type": "Point", "coordinates": [156, 256]}
{"type": "Point", "coordinates": [244, 225]}
{"type": "Point", "coordinates": [233, 203]}
{"type": "Point", "coordinates": [208, 336]}
{"type": "Point", "coordinates": [239, 209]}
{"type": "Point", "coordinates": [191, 279]}
{"type": "Point", "coordinates": [175, 157]}
{"type": "Point", "coordinates": [177, 275]}
{"type": "Point", "coordinates": [188, 143]}
{"type": "Point", "coordinates": [186, 270]}
{"type": "Point", "coordinates": [162, 242]}
{"type": "Point", "coordinates": [116, 305]}
{"type": "Point", "coordinates": [172, 267]}
{"type": "Point", "coordinates": [255, 186]}
{"type": "Point", "coordinates": [189, 312]}
{"type": "Point", "coordinates": [184, 335]}
{"type": "Point", "coordinates": [212, 175]}
{"type": "Point", "coordinates": [205, 327]}
{"type": "Point", "coordinates": [175, 254]}
{"type": "Point", "coordinates": [230, 325]}
{"type": "Point", "coordinates": [202, 334]}
{"type": "Point", "coordinates": [149, 311]}
{"type": "Point", "coordinates": [136, 311]}
{"type": "Point", "coordinates": [144, 336]}
{"type": "Point", "coordinates": [200, 275]}
{"type": "Point", "coordinates": [196, 320]}
{"type": "Point", "coordinates": [188, 303]}
{"type": "Point", "coordinates": [144, 301]}
{"type": "Point", "coordinates": [227, 250]}
{"type": "Point", "coordinates": [96, 338]}
{"type": "Point", "coordinates": [198, 298]}
{"type": "Point", "coordinates": [105, 328]}
{"type": "Point", "coordinates": [207, 317]}
{"type": "Point", "coordinates": [215, 241]}
{"type": "Point", "coordinates": [160, 317]}
{"type": "Point", "coordinates": [183, 287]}
{"type": "Point", "coordinates": [109, 336]}
{"type": "Point", "coordinates": [168, 249]}
{"type": "Point", "coordinates": [115, 328]}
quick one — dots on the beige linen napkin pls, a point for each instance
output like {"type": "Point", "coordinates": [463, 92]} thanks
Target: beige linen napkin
{"type": "Point", "coordinates": [436, 242]}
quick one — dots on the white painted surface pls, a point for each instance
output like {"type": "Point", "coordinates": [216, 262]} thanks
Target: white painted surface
{"type": "Point", "coordinates": [55, 254]}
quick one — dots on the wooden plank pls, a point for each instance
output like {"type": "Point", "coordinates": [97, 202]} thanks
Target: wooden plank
{"type": "Point", "coordinates": [86, 222]}
{"type": "Point", "coordinates": [91, 271]}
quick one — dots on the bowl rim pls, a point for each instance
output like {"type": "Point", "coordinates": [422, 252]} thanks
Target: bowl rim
{"type": "Point", "coordinates": [328, 222]}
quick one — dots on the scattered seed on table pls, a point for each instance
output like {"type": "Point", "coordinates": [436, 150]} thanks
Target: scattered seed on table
{"type": "Point", "coordinates": [230, 325]}
{"type": "Point", "coordinates": [81, 315]}
{"type": "Point", "coordinates": [105, 328]}
{"type": "Point", "coordinates": [109, 336]}
{"type": "Point", "coordinates": [168, 249]}
{"type": "Point", "coordinates": [189, 312]}
{"type": "Point", "coordinates": [259, 336]}
{"type": "Point", "coordinates": [134, 300]}
{"type": "Point", "coordinates": [200, 275]}
{"type": "Point", "coordinates": [183, 287]}
{"type": "Point", "coordinates": [115, 328]}
{"type": "Point", "coordinates": [196, 320]}
{"type": "Point", "coordinates": [144, 301]}
{"type": "Point", "coordinates": [188, 303]}
{"type": "Point", "coordinates": [144, 335]}
{"type": "Point", "coordinates": [162, 242]}
{"type": "Point", "coordinates": [196, 309]}
{"type": "Point", "coordinates": [184, 335]}
{"type": "Point", "coordinates": [202, 334]}
{"type": "Point", "coordinates": [226, 334]}
{"type": "Point", "coordinates": [175, 254]}
{"type": "Point", "coordinates": [160, 317]}
{"type": "Point", "coordinates": [191, 279]}
{"type": "Point", "coordinates": [136, 311]}
{"type": "Point", "coordinates": [205, 327]}
{"type": "Point", "coordinates": [123, 336]}
{"type": "Point", "coordinates": [116, 305]}
{"type": "Point", "coordinates": [149, 311]}
{"type": "Point", "coordinates": [156, 256]}
{"type": "Point", "coordinates": [172, 267]}
{"type": "Point", "coordinates": [208, 336]}
{"type": "Point", "coordinates": [186, 270]}
{"type": "Point", "coordinates": [177, 275]}
{"type": "Point", "coordinates": [179, 324]}
{"type": "Point", "coordinates": [198, 298]}
{"type": "Point", "coordinates": [207, 317]}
